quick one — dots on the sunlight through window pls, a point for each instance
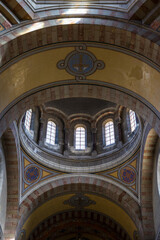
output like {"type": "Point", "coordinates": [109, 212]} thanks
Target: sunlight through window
{"type": "Point", "coordinates": [109, 133]}
{"type": "Point", "coordinates": [51, 133]}
{"type": "Point", "coordinates": [133, 122]}
{"type": "Point", "coordinates": [28, 118]}
{"type": "Point", "coordinates": [80, 138]}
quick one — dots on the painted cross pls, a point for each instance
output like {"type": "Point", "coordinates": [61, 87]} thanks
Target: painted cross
{"type": "Point", "coordinates": [81, 66]}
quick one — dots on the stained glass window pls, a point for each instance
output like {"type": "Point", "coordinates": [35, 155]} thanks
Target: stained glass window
{"type": "Point", "coordinates": [80, 138]}
{"type": "Point", "coordinates": [28, 117]}
{"type": "Point", "coordinates": [109, 133]}
{"type": "Point", "coordinates": [133, 122]}
{"type": "Point", "coordinates": [51, 133]}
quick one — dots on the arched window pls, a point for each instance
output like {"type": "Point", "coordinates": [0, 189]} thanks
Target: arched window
{"type": "Point", "coordinates": [80, 138]}
{"type": "Point", "coordinates": [109, 133]}
{"type": "Point", "coordinates": [28, 117]}
{"type": "Point", "coordinates": [51, 133]}
{"type": "Point", "coordinates": [132, 117]}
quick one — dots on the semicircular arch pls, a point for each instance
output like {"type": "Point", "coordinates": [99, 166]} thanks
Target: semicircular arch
{"type": "Point", "coordinates": [102, 91]}
{"type": "Point", "coordinates": [87, 185]}
{"type": "Point", "coordinates": [146, 184]}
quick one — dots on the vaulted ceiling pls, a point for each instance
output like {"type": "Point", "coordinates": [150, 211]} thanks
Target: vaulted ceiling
{"type": "Point", "coordinates": [34, 36]}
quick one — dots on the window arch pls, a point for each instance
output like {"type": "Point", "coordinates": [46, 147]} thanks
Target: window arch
{"type": "Point", "coordinates": [28, 118]}
{"type": "Point", "coordinates": [80, 138]}
{"type": "Point", "coordinates": [51, 133]}
{"type": "Point", "coordinates": [132, 117]}
{"type": "Point", "coordinates": [109, 133]}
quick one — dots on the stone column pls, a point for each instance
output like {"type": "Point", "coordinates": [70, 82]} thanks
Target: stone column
{"type": "Point", "coordinates": [94, 138]}
{"type": "Point", "coordinates": [66, 139]}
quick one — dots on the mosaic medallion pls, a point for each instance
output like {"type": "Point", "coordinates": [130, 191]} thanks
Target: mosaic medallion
{"type": "Point", "coordinates": [79, 201]}
{"type": "Point", "coordinates": [80, 63]}
{"type": "Point", "coordinates": [32, 174]}
{"type": "Point", "coordinates": [128, 175]}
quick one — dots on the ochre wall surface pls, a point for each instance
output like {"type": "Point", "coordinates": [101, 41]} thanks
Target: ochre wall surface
{"type": "Point", "coordinates": [102, 205]}
{"type": "Point", "coordinates": [41, 68]}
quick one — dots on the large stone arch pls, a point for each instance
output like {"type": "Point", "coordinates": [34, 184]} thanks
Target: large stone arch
{"type": "Point", "coordinates": [29, 38]}
{"type": "Point", "coordinates": [146, 185]}
{"type": "Point", "coordinates": [11, 159]}
{"type": "Point", "coordinates": [89, 221]}
{"type": "Point", "coordinates": [105, 92]}
{"type": "Point", "coordinates": [86, 184]}
{"type": "Point", "coordinates": [140, 41]}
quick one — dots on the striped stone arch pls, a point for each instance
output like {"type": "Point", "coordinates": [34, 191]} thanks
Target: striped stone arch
{"type": "Point", "coordinates": [28, 38]}
{"type": "Point", "coordinates": [134, 39]}
{"type": "Point", "coordinates": [11, 160]}
{"type": "Point", "coordinates": [88, 220]}
{"type": "Point", "coordinates": [88, 184]}
{"type": "Point", "coordinates": [146, 185]}
{"type": "Point", "coordinates": [63, 90]}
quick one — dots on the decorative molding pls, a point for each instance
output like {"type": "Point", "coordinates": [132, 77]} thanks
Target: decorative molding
{"type": "Point", "coordinates": [126, 174]}
{"type": "Point", "coordinates": [77, 222]}
{"type": "Point", "coordinates": [89, 164]}
{"type": "Point", "coordinates": [32, 174]}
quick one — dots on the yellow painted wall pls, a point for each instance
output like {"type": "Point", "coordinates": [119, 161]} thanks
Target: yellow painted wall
{"type": "Point", "coordinates": [102, 205]}
{"type": "Point", "coordinates": [40, 69]}
{"type": "Point", "coordinates": [114, 211]}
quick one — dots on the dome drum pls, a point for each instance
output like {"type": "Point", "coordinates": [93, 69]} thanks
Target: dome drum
{"type": "Point", "coordinates": [76, 141]}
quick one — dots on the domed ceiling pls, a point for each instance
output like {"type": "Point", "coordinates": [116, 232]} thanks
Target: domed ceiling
{"type": "Point", "coordinates": [87, 106]}
{"type": "Point", "coordinates": [100, 183]}
{"type": "Point", "coordinates": [119, 162]}
{"type": "Point", "coordinates": [92, 114]}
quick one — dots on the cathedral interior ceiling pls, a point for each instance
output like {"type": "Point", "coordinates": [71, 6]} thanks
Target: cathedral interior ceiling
{"type": "Point", "coordinates": [129, 73]}
{"type": "Point", "coordinates": [34, 175]}
{"type": "Point", "coordinates": [121, 44]}
{"type": "Point", "coordinates": [32, 72]}
{"type": "Point", "coordinates": [100, 204]}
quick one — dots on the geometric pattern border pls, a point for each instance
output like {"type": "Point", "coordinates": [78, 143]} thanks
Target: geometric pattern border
{"type": "Point", "coordinates": [33, 173]}
{"type": "Point", "coordinates": [126, 174]}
